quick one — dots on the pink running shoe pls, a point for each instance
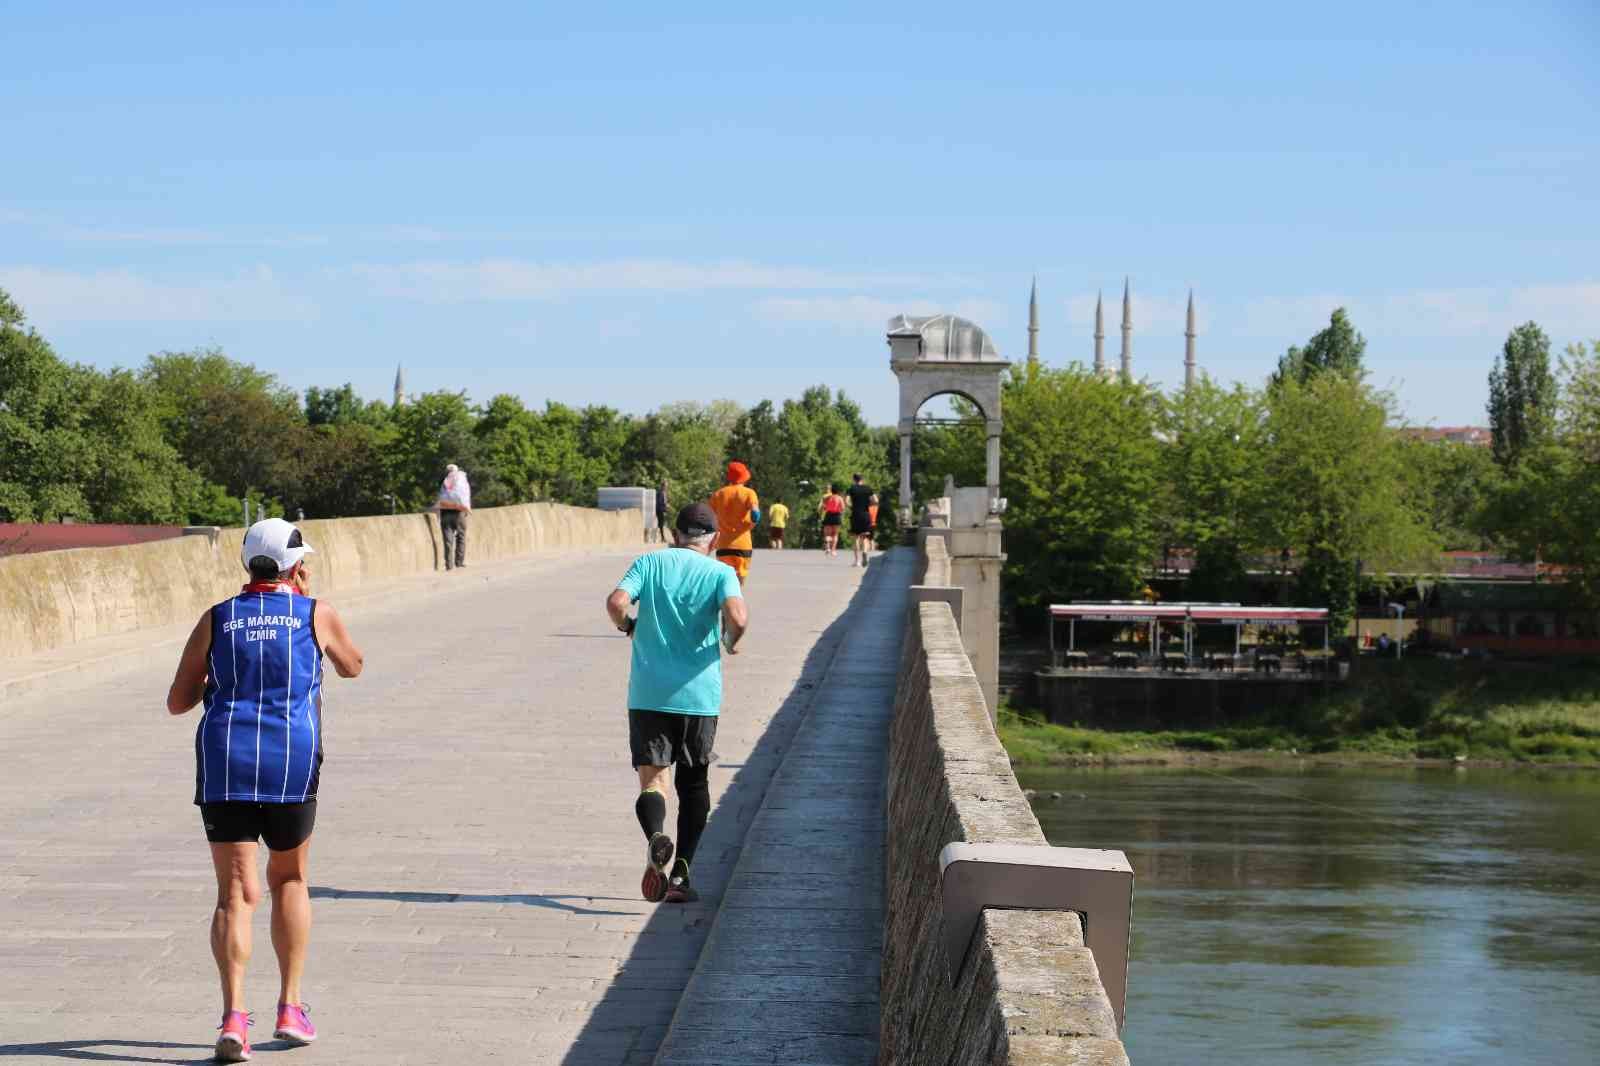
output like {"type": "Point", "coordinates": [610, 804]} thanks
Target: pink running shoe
{"type": "Point", "coordinates": [294, 1024]}
{"type": "Point", "coordinates": [234, 1043]}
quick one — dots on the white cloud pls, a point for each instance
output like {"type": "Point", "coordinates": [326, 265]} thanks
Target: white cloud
{"type": "Point", "coordinates": [52, 297]}
{"type": "Point", "coordinates": [517, 279]}
{"type": "Point", "coordinates": [861, 313]}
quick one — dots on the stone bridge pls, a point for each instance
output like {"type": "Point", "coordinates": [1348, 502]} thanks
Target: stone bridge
{"type": "Point", "coordinates": [476, 862]}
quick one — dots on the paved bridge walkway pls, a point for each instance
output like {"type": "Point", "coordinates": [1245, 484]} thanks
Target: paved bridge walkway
{"type": "Point", "coordinates": [476, 862]}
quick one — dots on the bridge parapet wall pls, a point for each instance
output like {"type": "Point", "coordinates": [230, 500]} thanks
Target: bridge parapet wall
{"type": "Point", "coordinates": [52, 599]}
{"type": "Point", "coordinates": [1028, 992]}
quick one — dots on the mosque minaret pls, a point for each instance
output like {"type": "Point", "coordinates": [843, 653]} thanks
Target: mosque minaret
{"type": "Point", "coordinates": [1033, 323]}
{"type": "Point", "coordinates": [1190, 366]}
{"type": "Point", "coordinates": [1099, 335]}
{"type": "Point", "coordinates": [1127, 331]}
{"type": "Point", "coordinates": [1188, 346]}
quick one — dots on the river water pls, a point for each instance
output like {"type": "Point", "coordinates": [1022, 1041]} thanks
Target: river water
{"type": "Point", "coordinates": [1350, 916]}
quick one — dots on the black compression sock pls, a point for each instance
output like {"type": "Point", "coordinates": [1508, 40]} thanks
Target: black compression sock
{"type": "Point", "coordinates": [694, 806]}
{"type": "Point", "coordinates": [651, 807]}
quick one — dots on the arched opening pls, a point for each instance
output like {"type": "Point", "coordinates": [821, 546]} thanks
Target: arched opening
{"type": "Point", "coordinates": [948, 440]}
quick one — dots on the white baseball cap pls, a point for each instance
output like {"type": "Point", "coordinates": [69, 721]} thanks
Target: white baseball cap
{"type": "Point", "coordinates": [276, 539]}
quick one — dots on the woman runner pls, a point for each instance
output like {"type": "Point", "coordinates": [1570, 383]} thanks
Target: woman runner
{"type": "Point", "coordinates": [256, 662]}
{"type": "Point", "coordinates": [832, 510]}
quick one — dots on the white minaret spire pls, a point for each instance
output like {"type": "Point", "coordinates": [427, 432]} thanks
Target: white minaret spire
{"type": "Point", "coordinates": [1033, 322]}
{"type": "Point", "coordinates": [1188, 346]}
{"type": "Point", "coordinates": [1127, 330]}
{"type": "Point", "coordinates": [1099, 335]}
{"type": "Point", "coordinates": [399, 384]}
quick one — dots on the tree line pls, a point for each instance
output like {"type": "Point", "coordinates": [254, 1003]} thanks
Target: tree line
{"type": "Point", "coordinates": [189, 434]}
{"type": "Point", "coordinates": [1313, 472]}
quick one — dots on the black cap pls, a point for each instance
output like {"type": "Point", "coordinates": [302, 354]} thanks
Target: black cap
{"type": "Point", "coordinates": [696, 520]}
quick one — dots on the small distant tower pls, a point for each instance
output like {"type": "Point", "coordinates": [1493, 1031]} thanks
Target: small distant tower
{"type": "Point", "coordinates": [399, 384]}
{"type": "Point", "coordinates": [1127, 331]}
{"type": "Point", "coordinates": [1188, 346]}
{"type": "Point", "coordinates": [1033, 323]}
{"type": "Point", "coordinates": [1099, 335]}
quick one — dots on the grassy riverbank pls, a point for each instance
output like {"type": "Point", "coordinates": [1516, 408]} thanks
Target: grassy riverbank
{"type": "Point", "coordinates": [1427, 709]}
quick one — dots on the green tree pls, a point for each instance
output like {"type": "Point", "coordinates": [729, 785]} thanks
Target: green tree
{"type": "Point", "coordinates": [796, 451]}
{"type": "Point", "coordinates": [1453, 486]}
{"type": "Point", "coordinates": [1522, 394]}
{"type": "Point", "coordinates": [81, 444]}
{"type": "Point", "coordinates": [1550, 507]}
{"type": "Point", "coordinates": [1080, 468]}
{"type": "Point", "coordinates": [432, 431]}
{"type": "Point", "coordinates": [233, 424]}
{"type": "Point", "coordinates": [344, 470]}
{"type": "Point", "coordinates": [1338, 349]}
{"type": "Point", "coordinates": [336, 407]}
{"type": "Point", "coordinates": [1214, 444]}
{"type": "Point", "coordinates": [1335, 485]}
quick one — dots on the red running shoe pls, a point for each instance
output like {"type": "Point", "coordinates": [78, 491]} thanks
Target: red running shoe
{"type": "Point", "coordinates": [294, 1024]}
{"type": "Point", "coordinates": [234, 1043]}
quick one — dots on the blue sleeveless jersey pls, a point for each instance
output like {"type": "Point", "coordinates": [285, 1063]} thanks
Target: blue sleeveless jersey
{"type": "Point", "coordinates": [260, 739]}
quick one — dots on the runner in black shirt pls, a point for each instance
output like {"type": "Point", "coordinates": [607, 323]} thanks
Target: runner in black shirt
{"type": "Point", "coordinates": [860, 520]}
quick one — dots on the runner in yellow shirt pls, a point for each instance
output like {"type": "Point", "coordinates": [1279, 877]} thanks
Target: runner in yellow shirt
{"type": "Point", "coordinates": [779, 521]}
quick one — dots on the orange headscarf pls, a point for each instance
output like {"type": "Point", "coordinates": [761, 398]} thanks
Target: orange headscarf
{"type": "Point", "coordinates": [738, 473]}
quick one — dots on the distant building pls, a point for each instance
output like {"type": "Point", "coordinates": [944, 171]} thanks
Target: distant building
{"type": "Point", "coordinates": [1478, 436]}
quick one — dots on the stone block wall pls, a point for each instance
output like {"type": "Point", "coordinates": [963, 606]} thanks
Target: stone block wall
{"type": "Point", "coordinates": [52, 599]}
{"type": "Point", "coordinates": [1027, 993]}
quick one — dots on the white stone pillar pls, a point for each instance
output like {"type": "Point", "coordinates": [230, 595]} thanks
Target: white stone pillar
{"type": "Point", "coordinates": [992, 459]}
{"type": "Point", "coordinates": [907, 505]}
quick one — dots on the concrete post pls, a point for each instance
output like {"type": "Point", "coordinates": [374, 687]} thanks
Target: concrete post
{"type": "Point", "coordinates": [992, 458]}
{"type": "Point", "coordinates": [976, 562]}
{"type": "Point", "coordinates": [907, 505]}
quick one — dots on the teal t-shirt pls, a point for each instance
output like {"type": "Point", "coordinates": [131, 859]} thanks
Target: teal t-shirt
{"type": "Point", "coordinates": [677, 661]}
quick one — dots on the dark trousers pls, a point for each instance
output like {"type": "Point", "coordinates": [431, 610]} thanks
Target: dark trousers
{"type": "Point", "coordinates": [453, 525]}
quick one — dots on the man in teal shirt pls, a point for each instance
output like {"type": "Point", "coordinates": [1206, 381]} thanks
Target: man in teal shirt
{"type": "Point", "coordinates": [690, 608]}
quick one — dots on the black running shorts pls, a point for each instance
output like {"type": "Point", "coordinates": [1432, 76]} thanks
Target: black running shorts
{"type": "Point", "coordinates": [283, 826]}
{"type": "Point", "coordinates": [832, 518]}
{"type": "Point", "coordinates": [860, 526]}
{"type": "Point", "coordinates": [661, 738]}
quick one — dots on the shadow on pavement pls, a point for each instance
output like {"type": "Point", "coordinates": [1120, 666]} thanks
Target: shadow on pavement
{"type": "Point", "coordinates": [553, 902]}
{"type": "Point", "coordinates": [629, 1022]}
{"type": "Point", "coordinates": [81, 1050]}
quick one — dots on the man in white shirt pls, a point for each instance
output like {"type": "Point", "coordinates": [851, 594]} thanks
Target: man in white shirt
{"type": "Point", "coordinates": [455, 503]}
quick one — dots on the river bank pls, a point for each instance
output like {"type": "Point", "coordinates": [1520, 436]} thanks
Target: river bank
{"type": "Point", "coordinates": [1427, 712]}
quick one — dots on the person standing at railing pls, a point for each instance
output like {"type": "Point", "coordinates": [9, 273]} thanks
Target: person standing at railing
{"type": "Point", "coordinates": [455, 504]}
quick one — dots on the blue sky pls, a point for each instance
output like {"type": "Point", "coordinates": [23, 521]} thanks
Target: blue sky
{"type": "Point", "coordinates": [632, 205]}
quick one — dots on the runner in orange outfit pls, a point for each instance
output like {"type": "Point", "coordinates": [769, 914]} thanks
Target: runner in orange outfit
{"type": "Point", "coordinates": [738, 511]}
